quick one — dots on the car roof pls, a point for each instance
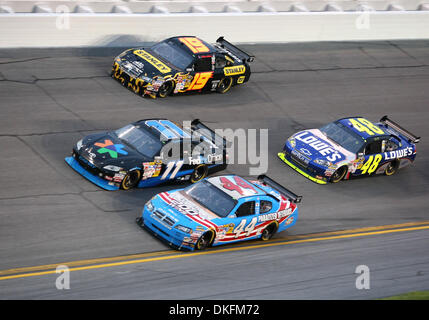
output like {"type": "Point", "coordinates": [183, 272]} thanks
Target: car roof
{"type": "Point", "coordinates": [348, 122]}
{"type": "Point", "coordinates": [166, 128]}
{"type": "Point", "coordinates": [186, 42]}
{"type": "Point", "coordinates": [235, 186]}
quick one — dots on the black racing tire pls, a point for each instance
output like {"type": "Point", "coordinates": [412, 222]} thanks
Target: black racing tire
{"type": "Point", "coordinates": [205, 240]}
{"type": "Point", "coordinates": [200, 172]}
{"type": "Point", "coordinates": [166, 89]}
{"type": "Point", "coordinates": [224, 85]}
{"type": "Point", "coordinates": [391, 168]}
{"type": "Point", "coordinates": [131, 179]}
{"type": "Point", "coordinates": [339, 174]}
{"type": "Point", "coordinates": [269, 231]}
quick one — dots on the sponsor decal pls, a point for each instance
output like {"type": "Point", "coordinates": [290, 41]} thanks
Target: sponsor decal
{"type": "Point", "coordinates": [153, 61]}
{"type": "Point", "coordinates": [118, 177]}
{"type": "Point", "coordinates": [322, 147]}
{"type": "Point", "coordinates": [274, 215]}
{"type": "Point", "coordinates": [112, 149]}
{"type": "Point", "coordinates": [234, 70]}
{"type": "Point", "coordinates": [401, 153]}
{"type": "Point", "coordinates": [241, 79]}
{"type": "Point", "coordinates": [151, 169]}
{"type": "Point", "coordinates": [305, 151]}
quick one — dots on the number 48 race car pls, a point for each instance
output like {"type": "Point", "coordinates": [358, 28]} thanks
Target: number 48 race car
{"type": "Point", "coordinates": [350, 147]}
{"type": "Point", "coordinates": [149, 152]}
{"type": "Point", "coordinates": [182, 64]}
{"type": "Point", "coordinates": [220, 210]}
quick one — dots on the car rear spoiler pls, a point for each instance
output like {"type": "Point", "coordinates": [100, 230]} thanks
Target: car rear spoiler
{"type": "Point", "coordinates": [276, 186]}
{"type": "Point", "coordinates": [389, 123]}
{"type": "Point", "coordinates": [196, 124]}
{"type": "Point", "coordinates": [235, 50]}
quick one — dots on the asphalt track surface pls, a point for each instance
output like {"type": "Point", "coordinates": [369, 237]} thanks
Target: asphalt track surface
{"type": "Point", "coordinates": [50, 215]}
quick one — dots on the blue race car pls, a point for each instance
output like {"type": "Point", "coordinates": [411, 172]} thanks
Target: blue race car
{"type": "Point", "coordinates": [350, 147]}
{"type": "Point", "coordinates": [220, 210]}
{"type": "Point", "coordinates": [147, 153]}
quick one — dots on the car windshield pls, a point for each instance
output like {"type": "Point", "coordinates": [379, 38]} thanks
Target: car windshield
{"type": "Point", "coordinates": [211, 197]}
{"type": "Point", "coordinates": [144, 142]}
{"type": "Point", "coordinates": [343, 136]}
{"type": "Point", "coordinates": [171, 53]}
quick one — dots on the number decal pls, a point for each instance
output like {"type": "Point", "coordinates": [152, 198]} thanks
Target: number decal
{"type": "Point", "coordinates": [371, 166]}
{"type": "Point", "coordinates": [229, 185]}
{"type": "Point", "coordinates": [240, 228]}
{"type": "Point", "coordinates": [170, 167]}
{"type": "Point", "coordinates": [194, 44]}
{"type": "Point", "coordinates": [200, 80]}
{"type": "Point", "coordinates": [250, 227]}
{"type": "Point", "coordinates": [364, 125]}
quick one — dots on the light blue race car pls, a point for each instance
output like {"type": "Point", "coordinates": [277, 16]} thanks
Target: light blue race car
{"type": "Point", "coordinates": [220, 210]}
{"type": "Point", "coordinates": [350, 147]}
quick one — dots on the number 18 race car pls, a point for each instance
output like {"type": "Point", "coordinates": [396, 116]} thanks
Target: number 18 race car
{"type": "Point", "coordinates": [182, 64]}
{"type": "Point", "coordinates": [149, 152]}
{"type": "Point", "coordinates": [350, 147]}
{"type": "Point", "coordinates": [220, 210]}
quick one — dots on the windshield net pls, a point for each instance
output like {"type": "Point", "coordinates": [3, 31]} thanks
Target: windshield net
{"type": "Point", "coordinates": [211, 197]}
{"type": "Point", "coordinates": [144, 142]}
{"type": "Point", "coordinates": [343, 136]}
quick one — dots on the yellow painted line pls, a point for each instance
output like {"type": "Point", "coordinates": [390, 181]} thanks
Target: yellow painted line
{"type": "Point", "coordinates": [242, 248]}
{"type": "Point", "coordinates": [85, 262]}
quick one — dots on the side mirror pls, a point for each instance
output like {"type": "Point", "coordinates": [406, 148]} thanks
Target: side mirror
{"type": "Point", "coordinates": [360, 155]}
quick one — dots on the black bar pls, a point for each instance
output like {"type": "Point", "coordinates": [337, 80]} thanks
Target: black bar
{"type": "Point", "coordinates": [389, 123]}
{"type": "Point", "coordinates": [228, 45]}
{"type": "Point", "coordinates": [197, 124]}
{"type": "Point", "coordinates": [286, 192]}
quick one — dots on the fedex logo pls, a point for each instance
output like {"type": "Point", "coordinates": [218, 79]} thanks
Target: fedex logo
{"type": "Point", "coordinates": [322, 147]}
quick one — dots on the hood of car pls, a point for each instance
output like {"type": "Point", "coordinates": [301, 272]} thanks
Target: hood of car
{"type": "Point", "coordinates": [185, 211]}
{"type": "Point", "coordinates": [141, 63]}
{"type": "Point", "coordinates": [107, 149]}
{"type": "Point", "coordinates": [313, 145]}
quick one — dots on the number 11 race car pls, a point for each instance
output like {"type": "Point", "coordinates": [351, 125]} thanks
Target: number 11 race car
{"type": "Point", "coordinates": [149, 152]}
{"type": "Point", "coordinates": [182, 64]}
{"type": "Point", "coordinates": [220, 210]}
{"type": "Point", "coordinates": [350, 147]}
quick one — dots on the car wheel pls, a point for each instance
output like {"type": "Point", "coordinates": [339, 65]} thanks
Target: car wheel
{"type": "Point", "coordinates": [339, 174]}
{"type": "Point", "coordinates": [224, 85]}
{"type": "Point", "coordinates": [131, 179]}
{"type": "Point", "coordinates": [165, 89]}
{"type": "Point", "coordinates": [391, 168]}
{"type": "Point", "coordinates": [268, 232]}
{"type": "Point", "coordinates": [205, 240]}
{"type": "Point", "coordinates": [199, 173]}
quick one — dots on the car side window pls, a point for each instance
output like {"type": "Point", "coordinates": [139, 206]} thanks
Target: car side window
{"type": "Point", "coordinates": [373, 147]}
{"type": "Point", "coordinates": [390, 146]}
{"type": "Point", "coordinates": [220, 62]}
{"type": "Point", "coordinates": [266, 206]}
{"type": "Point", "coordinates": [246, 209]}
{"type": "Point", "coordinates": [203, 64]}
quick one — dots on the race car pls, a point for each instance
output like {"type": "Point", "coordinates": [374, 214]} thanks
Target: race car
{"type": "Point", "coordinates": [149, 152]}
{"type": "Point", "coordinates": [220, 210]}
{"type": "Point", "coordinates": [350, 147]}
{"type": "Point", "coordinates": [182, 64]}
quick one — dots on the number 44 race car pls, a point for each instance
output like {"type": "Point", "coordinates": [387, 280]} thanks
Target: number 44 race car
{"type": "Point", "coordinates": [182, 64]}
{"type": "Point", "coordinates": [147, 153]}
{"type": "Point", "coordinates": [350, 147]}
{"type": "Point", "coordinates": [220, 210]}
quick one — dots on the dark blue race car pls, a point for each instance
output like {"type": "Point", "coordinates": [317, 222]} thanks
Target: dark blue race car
{"type": "Point", "coordinates": [149, 152]}
{"type": "Point", "coordinates": [350, 147]}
